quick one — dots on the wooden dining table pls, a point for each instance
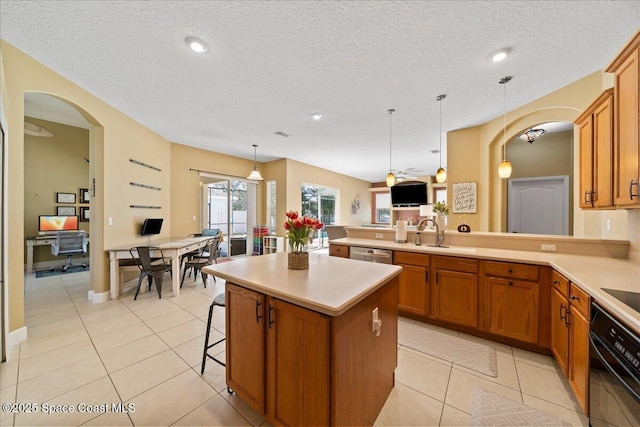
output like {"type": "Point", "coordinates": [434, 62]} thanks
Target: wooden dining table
{"type": "Point", "coordinates": [171, 247]}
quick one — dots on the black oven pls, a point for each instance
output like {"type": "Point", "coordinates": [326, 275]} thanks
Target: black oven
{"type": "Point", "coordinates": [614, 384]}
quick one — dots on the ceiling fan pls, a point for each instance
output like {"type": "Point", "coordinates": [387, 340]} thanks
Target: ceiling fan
{"type": "Point", "coordinates": [406, 174]}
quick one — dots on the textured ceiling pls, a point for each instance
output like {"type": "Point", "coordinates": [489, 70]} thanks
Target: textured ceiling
{"type": "Point", "coordinates": [270, 65]}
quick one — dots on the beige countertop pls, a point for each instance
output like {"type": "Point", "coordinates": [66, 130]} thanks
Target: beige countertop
{"type": "Point", "coordinates": [591, 273]}
{"type": "Point", "coordinates": [330, 286]}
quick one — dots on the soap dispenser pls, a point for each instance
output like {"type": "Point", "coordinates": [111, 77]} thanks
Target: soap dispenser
{"type": "Point", "coordinates": [418, 240]}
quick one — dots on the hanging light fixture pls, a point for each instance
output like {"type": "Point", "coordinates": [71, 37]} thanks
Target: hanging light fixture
{"type": "Point", "coordinates": [441, 174]}
{"type": "Point", "coordinates": [531, 135]}
{"type": "Point", "coordinates": [504, 170]}
{"type": "Point", "coordinates": [255, 173]}
{"type": "Point", "coordinates": [391, 178]}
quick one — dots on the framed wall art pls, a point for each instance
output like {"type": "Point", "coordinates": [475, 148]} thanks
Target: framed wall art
{"type": "Point", "coordinates": [84, 213]}
{"type": "Point", "coordinates": [65, 210]}
{"type": "Point", "coordinates": [465, 197]}
{"type": "Point", "coordinates": [65, 197]}
{"type": "Point", "coordinates": [84, 195]}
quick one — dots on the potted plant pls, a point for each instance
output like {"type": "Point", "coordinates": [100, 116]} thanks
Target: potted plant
{"type": "Point", "coordinates": [442, 210]}
{"type": "Point", "coordinates": [298, 230]}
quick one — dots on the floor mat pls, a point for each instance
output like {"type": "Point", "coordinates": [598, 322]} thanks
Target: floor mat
{"type": "Point", "coordinates": [475, 356]}
{"type": "Point", "coordinates": [58, 270]}
{"type": "Point", "coordinates": [490, 409]}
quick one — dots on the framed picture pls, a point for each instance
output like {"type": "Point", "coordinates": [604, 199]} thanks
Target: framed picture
{"type": "Point", "coordinates": [465, 197]}
{"type": "Point", "coordinates": [65, 197]}
{"type": "Point", "coordinates": [84, 213]}
{"type": "Point", "coordinates": [65, 210]}
{"type": "Point", "coordinates": [84, 195]}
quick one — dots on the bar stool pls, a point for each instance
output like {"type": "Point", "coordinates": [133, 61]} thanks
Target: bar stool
{"type": "Point", "coordinates": [219, 301]}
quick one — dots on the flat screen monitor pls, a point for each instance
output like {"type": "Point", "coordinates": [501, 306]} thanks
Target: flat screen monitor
{"type": "Point", "coordinates": [151, 226]}
{"type": "Point", "coordinates": [52, 223]}
{"type": "Point", "coordinates": [409, 195]}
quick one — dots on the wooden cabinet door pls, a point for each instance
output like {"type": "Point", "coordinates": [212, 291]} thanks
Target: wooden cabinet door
{"type": "Point", "coordinates": [603, 154]}
{"type": "Point", "coordinates": [579, 357]}
{"type": "Point", "coordinates": [298, 365]}
{"type": "Point", "coordinates": [585, 129]}
{"type": "Point", "coordinates": [245, 344]}
{"type": "Point", "coordinates": [627, 136]}
{"type": "Point", "coordinates": [413, 294]}
{"type": "Point", "coordinates": [560, 329]}
{"type": "Point", "coordinates": [456, 297]}
{"type": "Point", "coordinates": [512, 308]}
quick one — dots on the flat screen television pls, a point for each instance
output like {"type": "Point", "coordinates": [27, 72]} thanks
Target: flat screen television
{"type": "Point", "coordinates": [409, 195]}
{"type": "Point", "coordinates": [54, 223]}
{"type": "Point", "coordinates": [151, 226]}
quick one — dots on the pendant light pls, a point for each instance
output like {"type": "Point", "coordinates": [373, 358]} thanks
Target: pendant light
{"type": "Point", "coordinates": [504, 170]}
{"type": "Point", "coordinates": [255, 173]}
{"type": "Point", "coordinates": [391, 179]}
{"type": "Point", "coordinates": [441, 174]}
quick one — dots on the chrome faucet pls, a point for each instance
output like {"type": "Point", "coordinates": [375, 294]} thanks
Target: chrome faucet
{"type": "Point", "coordinates": [439, 234]}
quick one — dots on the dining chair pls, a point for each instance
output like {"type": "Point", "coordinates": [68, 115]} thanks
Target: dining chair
{"type": "Point", "coordinates": [209, 256]}
{"type": "Point", "coordinates": [151, 268]}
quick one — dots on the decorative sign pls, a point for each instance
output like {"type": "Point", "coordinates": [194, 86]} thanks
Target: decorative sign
{"type": "Point", "coordinates": [465, 197]}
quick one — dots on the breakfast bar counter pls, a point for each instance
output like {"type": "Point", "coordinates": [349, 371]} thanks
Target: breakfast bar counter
{"type": "Point", "coordinates": [315, 346]}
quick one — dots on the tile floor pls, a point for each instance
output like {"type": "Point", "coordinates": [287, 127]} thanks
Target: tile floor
{"type": "Point", "coordinates": [147, 354]}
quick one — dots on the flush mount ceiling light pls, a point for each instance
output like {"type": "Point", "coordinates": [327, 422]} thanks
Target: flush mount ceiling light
{"type": "Point", "coordinates": [391, 179]}
{"type": "Point", "coordinates": [196, 45]}
{"type": "Point", "coordinates": [36, 130]}
{"type": "Point", "coordinates": [441, 174]}
{"type": "Point", "coordinates": [500, 55]}
{"type": "Point", "coordinates": [255, 173]}
{"type": "Point", "coordinates": [504, 170]}
{"type": "Point", "coordinates": [531, 135]}
{"type": "Point", "coordinates": [316, 116]}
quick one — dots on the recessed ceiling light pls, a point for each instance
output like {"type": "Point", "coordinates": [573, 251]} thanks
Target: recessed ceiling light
{"type": "Point", "coordinates": [196, 45]}
{"type": "Point", "coordinates": [500, 54]}
{"type": "Point", "coordinates": [316, 116]}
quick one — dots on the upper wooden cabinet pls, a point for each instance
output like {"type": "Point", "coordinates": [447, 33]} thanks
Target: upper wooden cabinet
{"type": "Point", "coordinates": [596, 153]}
{"type": "Point", "coordinates": [626, 68]}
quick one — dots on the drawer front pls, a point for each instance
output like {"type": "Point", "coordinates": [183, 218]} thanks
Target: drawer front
{"type": "Point", "coordinates": [410, 258]}
{"type": "Point", "coordinates": [511, 270]}
{"type": "Point", "coordinates": [579, 300]}
{"type": "Point", "coordinates": [561, 283]}
{"type": "Point", "coordinates": [466, 265]}
{"type": "Point", "coordinates": [339, 250]}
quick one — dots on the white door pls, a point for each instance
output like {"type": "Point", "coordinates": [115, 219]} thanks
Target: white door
{"type": "Point", "coordinates": [538, 205]}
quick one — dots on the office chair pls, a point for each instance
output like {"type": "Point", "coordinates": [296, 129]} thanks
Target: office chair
{"type": "Point", "coordinates": [152, 268]}
{"type": "Point", "coordinates": [70, 243]}
{"type": "Point", "coordinates": [208, 257]}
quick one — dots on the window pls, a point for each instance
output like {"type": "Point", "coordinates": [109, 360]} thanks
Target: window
{"type": "Point", "coordinates": [439, 195]}
{"type": "Point", "coordinates": [320, 202]}
{"type": "Point", "coordinates": [382, 208]}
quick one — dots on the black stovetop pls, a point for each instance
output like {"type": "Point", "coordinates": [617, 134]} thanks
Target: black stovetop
{"type": "Point", "coordinates": [632, 299]}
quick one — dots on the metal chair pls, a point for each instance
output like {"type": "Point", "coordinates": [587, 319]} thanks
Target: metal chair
{"type": "Point", "coordinates": [70, 243]}
{"type": "Point", "coordinates": [152, 268]}
{"type": "Point", "coordinates": [209, 256]}
{"type": "Point", "coordinates": [217, 301]}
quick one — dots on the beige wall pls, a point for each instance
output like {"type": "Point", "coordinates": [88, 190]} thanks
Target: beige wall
{"type": "Point", "coordinates": [53, 165]}
{"type": "Point", "coordinates": [110, 151]}
{"type": "Point", "coordinates": [485, 142]}
{"type": "Point", "coordinates": [186, 192]}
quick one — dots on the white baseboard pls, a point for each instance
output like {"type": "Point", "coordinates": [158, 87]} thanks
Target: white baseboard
{"type": "Point", "coordinates": [98, 298]}
{"type": "Point", "coordinates": [14, 339]}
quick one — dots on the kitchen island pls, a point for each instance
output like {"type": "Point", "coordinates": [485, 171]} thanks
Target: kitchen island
{"type": "Point", "coordinates": [302, 346]}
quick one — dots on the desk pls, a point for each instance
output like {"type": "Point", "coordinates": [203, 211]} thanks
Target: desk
{"type": "Point", "coordinates": [38, 241]}
{"type": "Point", "coordinates": [171, 247]}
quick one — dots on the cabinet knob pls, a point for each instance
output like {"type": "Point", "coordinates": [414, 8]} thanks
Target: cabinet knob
{"type": "Point", "coordinates": [573, 298]}
{"type": "Point", "coordinates": [555, 282]}
{"type": "Point", "coordinates": [510, 270]}
{"type": "Point", "coordinates": [510, 283]}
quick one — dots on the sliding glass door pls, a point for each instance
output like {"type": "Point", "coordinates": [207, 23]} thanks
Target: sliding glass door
{"type": "Point", "coordinates": [230, 206]}
{"type": "Point", "coordinates": [320, 202]}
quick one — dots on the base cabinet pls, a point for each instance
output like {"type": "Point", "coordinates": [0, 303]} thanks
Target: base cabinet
{"type": "Point", "coordinates": [512, 308]}
{"type": "Point", "coordinates": [455, 294]}
{"type": "Point", "coordinates": [300, 367]}
{"type": "Point", "coordinates": [559, 322]}
{"type": "Point", "coordinates": [414, 293]}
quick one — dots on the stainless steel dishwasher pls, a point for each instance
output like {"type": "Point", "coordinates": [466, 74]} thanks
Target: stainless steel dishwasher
{"type": "Point", "coordinates": [381, 256]}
